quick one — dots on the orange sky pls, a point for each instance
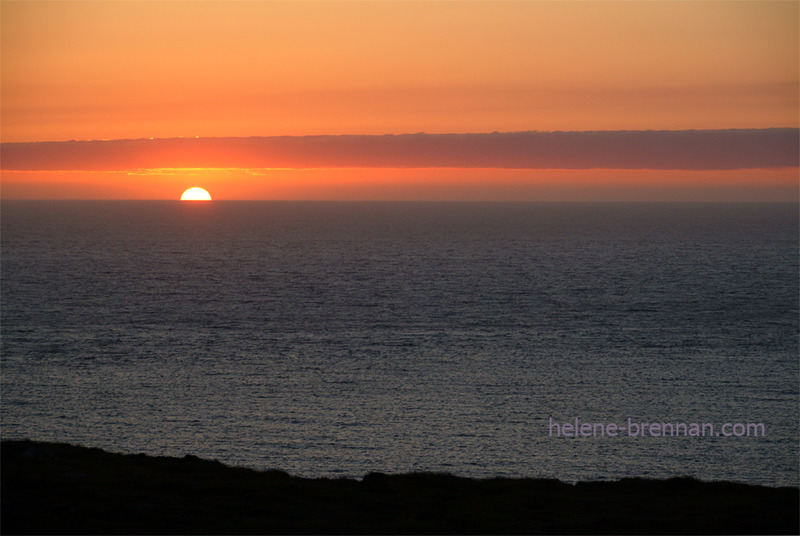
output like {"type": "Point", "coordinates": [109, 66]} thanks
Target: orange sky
{"type": "Point", "coordinates": [124, 70]}
{"type": "Point", "coordinates": [449, 184]}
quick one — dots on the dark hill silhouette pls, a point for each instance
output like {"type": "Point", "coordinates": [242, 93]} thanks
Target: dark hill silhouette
{"type": "Point", "coordinates": [65, 489]}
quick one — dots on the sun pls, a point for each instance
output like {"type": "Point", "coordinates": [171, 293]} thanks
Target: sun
{"type": "Point", "coordinates": [195, 194]}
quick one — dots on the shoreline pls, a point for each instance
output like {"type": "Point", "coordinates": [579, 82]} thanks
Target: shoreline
{"type": "Point", "coordinates": [68, 489]}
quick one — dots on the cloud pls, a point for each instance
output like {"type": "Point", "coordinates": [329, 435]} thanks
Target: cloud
{"type": "Point", "coordinates": [666, 150]}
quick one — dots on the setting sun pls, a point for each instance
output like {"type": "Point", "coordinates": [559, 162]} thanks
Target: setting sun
{"type": "Point", "coordinates": [196, 194]}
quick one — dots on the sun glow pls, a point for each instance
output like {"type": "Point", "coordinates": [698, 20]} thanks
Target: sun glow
{"type": "Point", "coordinates": [196, 194]}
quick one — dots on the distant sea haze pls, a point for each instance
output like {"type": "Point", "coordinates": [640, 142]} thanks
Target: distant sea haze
{"type": "Point", "coordinates": [343, 338]}
{"type": "Point", "coordinates": [668, 150]}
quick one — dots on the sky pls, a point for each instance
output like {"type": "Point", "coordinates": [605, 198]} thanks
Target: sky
{"type": "Point", "coordinates": [251, 77]}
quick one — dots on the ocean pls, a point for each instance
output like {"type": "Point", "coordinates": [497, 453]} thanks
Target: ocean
{"type": "Point", "coordinates": [336, 339]}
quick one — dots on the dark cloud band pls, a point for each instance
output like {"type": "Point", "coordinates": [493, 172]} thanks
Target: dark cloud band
{"type": "Point", "coordinates": [680, 149]}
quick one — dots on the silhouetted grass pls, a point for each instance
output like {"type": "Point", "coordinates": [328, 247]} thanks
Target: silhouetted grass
{"type": "Point", "coordinates": [65, 489]}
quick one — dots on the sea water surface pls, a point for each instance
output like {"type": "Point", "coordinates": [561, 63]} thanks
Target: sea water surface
{"type": "Point", "coordinates": [335, 339]}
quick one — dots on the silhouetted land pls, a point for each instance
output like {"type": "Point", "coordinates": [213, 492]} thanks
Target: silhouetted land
{"type": "Point", "coordinates": [59, 488]}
